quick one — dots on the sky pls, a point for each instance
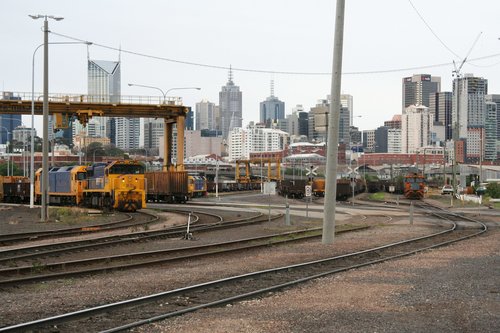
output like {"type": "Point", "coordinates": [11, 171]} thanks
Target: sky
{"type": "Point", "coordinates": [384, 41]}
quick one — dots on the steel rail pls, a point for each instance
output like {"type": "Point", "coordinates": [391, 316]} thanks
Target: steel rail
{"type": "Point", "coordinates": [9, 257]}
{"type": "Point", "coordinates": [255, 276]}
{"type": "Point", "coordinates": [151, 257]}
{"type": "Point", "coordinates": [74, 231]}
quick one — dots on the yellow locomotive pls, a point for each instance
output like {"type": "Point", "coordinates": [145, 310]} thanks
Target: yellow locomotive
{"type": "Point", "coordinates": [116, 185]}
{"type": "Point", "coordinates": [197, 186]}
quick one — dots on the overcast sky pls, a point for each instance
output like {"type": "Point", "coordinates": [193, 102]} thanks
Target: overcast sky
{"type": "Point", "coordinates": [268, 35]}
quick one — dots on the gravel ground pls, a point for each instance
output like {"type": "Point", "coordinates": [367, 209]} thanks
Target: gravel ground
{"type": "Point", "coordinates": [453, 289]}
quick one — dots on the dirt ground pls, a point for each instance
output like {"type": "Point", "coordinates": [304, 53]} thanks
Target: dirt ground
{"type": "Point", "coordinates": [452, 289]}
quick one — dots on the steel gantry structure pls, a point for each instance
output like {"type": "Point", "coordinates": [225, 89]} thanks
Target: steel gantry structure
{"type": "Point", "coordinates": [83, 107]}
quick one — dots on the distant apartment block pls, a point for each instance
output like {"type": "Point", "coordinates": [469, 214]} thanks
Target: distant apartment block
{"type": "Point", "coordinates": [416, 128]}
{"type": "Point", "coordinates": [255, 138]}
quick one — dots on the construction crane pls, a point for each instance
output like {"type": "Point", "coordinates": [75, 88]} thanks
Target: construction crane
{"type": "Point", "coordinates": [456, 71]}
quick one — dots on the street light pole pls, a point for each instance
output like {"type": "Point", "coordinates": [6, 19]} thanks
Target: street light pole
{"type": "Point", "coordinates": [44, 216]}
{"type": "Point", "coordinates": [32, 157]}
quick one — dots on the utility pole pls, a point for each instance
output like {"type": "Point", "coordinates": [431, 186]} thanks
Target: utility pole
{"type": "Point", "coordinates": [333, 128]}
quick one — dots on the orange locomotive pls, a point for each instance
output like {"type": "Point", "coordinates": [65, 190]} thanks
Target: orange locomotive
{"type": "Point", "coordinates": [414, 186]}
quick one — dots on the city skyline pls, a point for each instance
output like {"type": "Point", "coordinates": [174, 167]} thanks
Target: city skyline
{"type": "Point", "coordinates": [238, 37]}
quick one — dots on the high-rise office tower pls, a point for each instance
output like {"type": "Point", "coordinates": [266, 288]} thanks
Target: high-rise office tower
{"type": "Point", "coordinates": [318, 122]}
{"type": "Point", "coordinates": [153, 132]}
{"type": "Point", "coordinates": [346, 101]}
{"type": "Point", "coordinates": [495, 98]}
{"type": "Point", "coordinates": [127, 133]}
{"type": "Point", "coordinates": [104, 86]}
{"type": "Point", "coordinates": [468, 104]}
{"type": "Point", "coordinates": [440, 104]}
{"type": "Point", "coordinates": [272, 109]}
{"type": "Point", "coordinates": [491, 132]}
{"type": "Point", "coordinates": [230, 103]}
{"type": "Point", "coordinates": [8, 122]}
{"type": "Point", "coordinates": [418, 88]}
{"type": "Point", "coordinates": [206, 117]}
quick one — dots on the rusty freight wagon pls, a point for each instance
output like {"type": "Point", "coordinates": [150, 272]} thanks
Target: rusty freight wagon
{"type": "Point", "coordinates": [167, 186]}
{"type": "Point", "coordinates": [14, 189]}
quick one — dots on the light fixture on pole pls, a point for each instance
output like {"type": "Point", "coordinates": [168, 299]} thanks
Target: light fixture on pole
{"type": "Point", "coordinates": [161, 90]}
{"type": "Point", "coordinates": [45, 159]}
{"type": "Point", "coordinates": [32, 157]}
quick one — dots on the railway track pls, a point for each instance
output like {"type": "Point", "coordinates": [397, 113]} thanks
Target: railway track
{"type": "Point", "coordinates": [30, 273]}
{"type": "Point", "coordinates": [133, 219]}
{"type": "Point", "coordinates": [131, 313]}
{"type": "Point", "coordinates": [33, 255]}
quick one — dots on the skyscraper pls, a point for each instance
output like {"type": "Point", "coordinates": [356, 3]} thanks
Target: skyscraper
{"type": "Point", "coordinates": [104, 86]}
{"type": "Point", "coordinates": [346, 101]}
{"type": "Point", "coordinates": [272, 109]}
{"type": "Point", "coordinates": [417, 89]}
{"type": "Point", "coordinates": [230, 103]}
{"type": "Point", "coordinates": [206, 116]}
{"type": "Point", "coordinates": [495, 99]}
{"type": "Point", "coordinates": [468, 104]}
{"type": "Point", "coordinates": [104, 80]}
{"type": "Point", "coordinates": [491, 132]}
{"type": "Point", "coordinates": [416, 128]}
{"type": "Point", "coordinates": [8, 122]}
{"type": "Point", "coordinates": [440, 104]}
{"type": "Point", "coordinates": [318, 122]}
{"type": "Point", "coordinates": [153, 132]}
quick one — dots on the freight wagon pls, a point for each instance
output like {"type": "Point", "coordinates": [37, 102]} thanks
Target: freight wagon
{"type": "Point", "coordinates": [345, 188]}
{"type": "Point", "coordinates": [296, 188]}
{"type": "Point", "coordinates": [293, 188]}
{"type": "Point", "coordinates": [15, 189]}
{"type": "Point", "coordinates": [167, 186]}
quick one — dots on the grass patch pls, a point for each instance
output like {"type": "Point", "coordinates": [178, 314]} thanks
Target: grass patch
{"type": "Point", "coordinates": [379, 196]}
{"type": "Point", "coordinates": [69, 215]}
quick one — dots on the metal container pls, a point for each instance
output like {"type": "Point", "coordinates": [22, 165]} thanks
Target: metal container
{"type": "Point", "coordinates": [169, 186]}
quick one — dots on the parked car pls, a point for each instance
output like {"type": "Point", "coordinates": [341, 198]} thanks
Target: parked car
{"type": "Point", "coordinates": [447, 189]}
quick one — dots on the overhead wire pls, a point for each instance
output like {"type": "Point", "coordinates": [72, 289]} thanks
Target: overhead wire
{"type": "Point", "coordinates": [262, 71]}
{"type": "Point", "coordinates": [443, 43]}
{"type": "Point", "coordinates": [432, 30]}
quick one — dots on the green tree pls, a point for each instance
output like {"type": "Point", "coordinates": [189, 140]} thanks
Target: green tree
{"type": "Point", "coordinates": [4, 172]}
{"type": "Point", "coordinates": [493, 190]}
{"type": "Point", "coordinates": [112, 150]}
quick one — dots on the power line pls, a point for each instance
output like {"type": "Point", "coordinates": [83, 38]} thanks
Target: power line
{"type": "Point", "coordinates": [262, 71]}
{"type": "Point", "coordinates": [431, 30]}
